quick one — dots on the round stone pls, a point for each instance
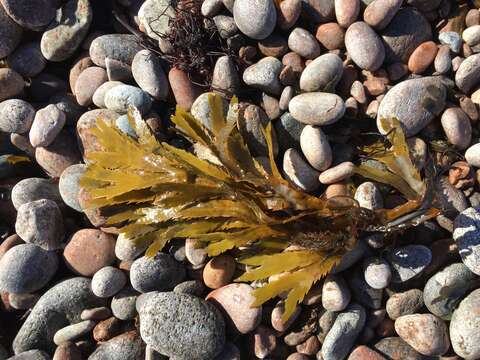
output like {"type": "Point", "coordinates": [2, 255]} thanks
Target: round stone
{"type": "Point", "coordinates": [87, 141]}
{"type": "Point", "coordinates": [404, 33]}
{"type": "Point", "coordinates": [225, 76]}
{"type": "Point", "coordinates": [47, 124]}
{"type": "Point", "coordinates": [303, 43]}
{"type": "Point", "coordinates": [466, 235]}
{"type": "Point", "coordinates": [235, 301]}
{"type": "Point", "coordinates": [16, 116]}
{"type": "Point", "coordinates": [88, 82]}
{"type": "Point", "coordinates": [26, 268]}
{"type": "Point", "coordinates": [369, 196]}
{"type": "Point", "coordinates": [337, 173]}
{"type": "Point", "coordinates": [452, 39]}
{"type": "Point", "coordinates": [414, 103]}
{"type": "Point", "coordinates": [426, 333]}
{"type": "Point", "coordinates": [377, 273]}
{"type": "Point", "coordinates": [149, 75]}
{"type": "Point", "coordinates": [471, 35]}
{"type": "Point", "coordinates": [121, 97]}
{"type": "Point", "coordinates": [467, 76]}
{"type": "Point", "coordinates": [256, 19]}
{"type": "Point", "coordinates": [288, 12]}
{"type": "Point", "coordinates": [422, 57]}
{"type": "Point", "coordinates": [159, 273]}
{"type": "Point", "coordinates": [364, 46]}
{"type": "Point", "coordinates": [472, 155]}
{"type": "Point", "coordinates": [379, 13]}
{"type": "Point", "coordinates": [409, 261]}
{"type": "Point", "coordinates": [299, 172]}
{"type": "Point", "coordinates": [40, 223]}
{"type": "Point", "coordinates": [316, 148]}
{"type": "Point", "coordinates": [30, 14]}
{"type": "Point", "coordinates": [98, 97]}
{"type": "Point", "coordinates": [154, 17]}
{"type": "Point", "coordinates": [464, 325]}
{"type": "Point", "coordinates": [322, 74]}
{"type": "Point", "coordinates": [335, 293]}
{"type": "Point", "coordinates": [219, 271]}
{"type": "Point", "coordinates": [457, 127]}
{"type": "Point", "coordinates": [317, 108]}
{"type": "Point", "coordinates": [404, 303]}
{"type": "Point", "coordinates": [32, 189]}
{"type": "Point", "coordinates": [88, 251]}
{"type": "Point", "coordinates": [108, 281]}
{"type": "Point", "coordinates": [198, 326]}
{"type": "Point", "coordinates": [346, 328]}
{"type": "Point", "coordinates": [192, 287]}
{"type": "Point", "coordinates": [201, 109]}
{"type": "Point", "coordinates": [121, 47]}
{"type": "Point", "coordinates": [331, 36]}
{"type": "Point", "coordinates": [65, 34]}
{"type": "Point", "coordinates": [11, 34]}
{"type": "Point", "coordinates": [444, 290]}
{"type": "Point", "coordinates": [443, 60]}
{"type": "Point", "coordinates": [184, 91]}
{"type": "Point", "coordinates": [117, 70]}
{"type": "Point", "coordinates": [263, 75]}
{"type": "Point", "coordinates": [123, 304]}
{"type": "Point", "coordinates": [67, 351]}
{"type": "Point", "coordinates": [69, 185]}
{"type": "Point", "coordinates": [27, 60]}
{"type": "Point", "coordinates": [346, 12]}
{"type": "Point", "coordinates": [128, 250]}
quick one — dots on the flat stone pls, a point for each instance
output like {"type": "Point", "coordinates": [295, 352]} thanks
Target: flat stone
{"type": "Point", "coordinates": [322, 74]}
{"type": "Point", "coordinates": [409, 261]}
{"type": "Point", "coordinates": [73, 332]}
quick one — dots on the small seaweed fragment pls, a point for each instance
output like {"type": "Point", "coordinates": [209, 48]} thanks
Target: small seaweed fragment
{"type": "Point", "coordinates": [156, 192]}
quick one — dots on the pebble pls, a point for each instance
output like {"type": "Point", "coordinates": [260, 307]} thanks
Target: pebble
{"type": "Point", "coordinates": [121, 97]}
{"type": "Point", "coordinates": [288, 131]}
{"type": "Point", "coordinates": [81, 63]}
{"type": "Point", "coordinates": [27, 60]}
{"type": "Point", "coordinates": [108, 281]}
{"type": "Point", "coordinates": [287, 94]}
{"type": "Point", "coordinates": [452, 200]}
{"type": "Point", "coordinates": [98, 97]}
{"type": "Point", "coordinates": [346, 12]}
{"type": "Point", "coordinates": [319, 11]}
{"type": "Point", "coordinates": [316, 148]}
{"type": "Point", "coordinates": [154, 16]}
{"type": "Point", "coordinates": [404, 303]}
{"type": "Point", "coordinates": [377, 272]}
{"type": "Point", "coordinates": [288, 12]}
{"type": "Point", "coordinates": [32, 15]}
{"type": "Point", "coordinates": [369, 196]}
{"type": "Point", "coordinates": [444, 290]}
{"type": "Point", "coordinates": [422, 57]}
{"type": "Point", "coordinates": [364, 293]}
{"type": "Point", "coordinates": [195, 255]}
{"type": "Point", "coordinates": [396, 348]}
{"type": "Point", "coordinates": [117, 70]}
{"type": "Point", "coordinates": [99, 313]}
{"type": "Point", "coordinates": [149, 75]}
{"type": "Point", "coordinates": [264, 341]}
{"type": "Point", "coordinates": [331, 36]}
{"type": "Point", "coordinates": [225, 76]}
{"type": "Point", "coordinates": [277, 313]}
{"type": "Point", "coordinates": [235, 302]}
{"type": "Point", "coordinates": [16, 116]}
{"type": "Point", "coordinates": [73, 332]}
{"type": "Point", "coordinates": [66, 300]}
{"type": "Point", "coordinates": [472, 155]}
{"type": "Point", "coordinates": [426, 333]}
{"type": "Point", "coordinates": [322, 74]}
{"type": "Point", "coordinates": [87, 141]}
{"type": "Point", "coordinates": [337, 173]}
{"type": "Point", "coordinates": [335, 293]}
{"type": "Point", "coordinates": [299, 172]}
{"type": "Point", "coordinates": [303, 43]}
{"type": "Point", "coordinates": [68, 104]}
{"type": "Point", "coordinates": [122, 347]}
{"type": "Point", "coordinates": [254, 18]}
{"type": "Point", "coordinates": [31, 355]}
{"type": "Point", "coordinates": [107, 329]}
{"type": "Point", "coordinates": [471, 35]}
{"type": "Point", "coordinates": [274, 45]}
{"type": "Point", "coordinates": [26, 268]}
{"type": "Point", "coordinates": [457, 127]}
{"type": "Point", "coordinates": [198, 326]}
{"type": "Point", "coordinates": [355, 254]}
{"type": "Point", "coordinates": [219, 271]}
{"type": "Point", "coordinates": [22, 301]}
{"type": "Point", "coordinates": [88, 251]}
{"type": "Point", "coordinates": [69, 185]}
{"type": "Point", "coordinates": [67, 351]}
{"type": "Point", "coordinates": [362, 352]}
{"type": "Point", "coordinates": [128, 250]}
{"type": "Point", "coordinates": [40, 222]}
{"type": "Point", "coordinates": [452, 39]}
{"type": "Point", "coordinates": [443, 61]}
{"type": "Point", "coordinates": [409, 261]}
{"type": "Point", "coordinates": [379, 13]}
{"type": "Point", "coordinates": [226, 26]}
{"type": "Point", "coordinates": [414, 103]}
{"type": "Point", "coordinates": [464, 325]}
{"type": "Point", "coordinates": [47, 124]}
{"type": "Point", "coordinates": [123, 304]}
{"type": "Point", "coordinates": [65, 34]}
{"type": "Point", "coordinates": [317, 108]}
{"type": "Point", "coordinates": [11, 34]}
{"type": "Point", "coordinates": [59, 155]}
{"type": "Point", "coordinates": [364, 46]}
{"type": "Point", "coordinates": [160, 273]}
{"type": "Point", "coordinates": [210, 8]}
{"type": "Point", "coordinates": [467, 75]}
{"type": "Point", "coordinates": [404, 33]}
{"type": "Point", "coordinates": [263, 75]}
{"type": "Point", "coordinates": [341, 337]}
{"type": "Point", "coordinates": [121, 47]}
{"type": "Point", "coordinates": [88, 82]}
{"type": "Point", "coordinates": [32, 189]}
{"type": "Point", "coordinates": [466, 237]}
{"type": "Point", "coordinates": [184, 91]}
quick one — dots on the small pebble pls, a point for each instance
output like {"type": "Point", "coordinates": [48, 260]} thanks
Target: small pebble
{"type": "Point", "coordinates": [303, 43]}
{"type": "Point", "coordinates": [457, 127]}
{"type": "Point", "coordinates": [369, 196]}
{"type": "Point", "coordinates": [32, 189]}
{"type": "Point", "coordinates": [47, 124]}
{"type": "Point", "coordinates": [452, 39]}
{"type": "Point", "coordinates": [316, 148]}
{"type": "Point", "coordinates": [121, 97]}
{"type": "Point", "coordinates": [409, 261]}
{"type": "Point", "coordinates": [16, 116]}
{"type": "Point", "coordinates": [123, 304]}
{"type": "Point", "coordinates": [219, 271]}
{"type": "Point", "coordinates": [69, 185]}
{"type": "Point", "coordinates": [255, 19]}
{"type": "Point", "coordinates": [379, 13]}
{"type": "Point", "coordinates": [27, 60]}
{"type": "Point", "coordinates": [346, 12]}
{"type": "Point", "coordinates": [404, 303]}
{"type": "Point", "coordinates": [377, 273]}
{"type": "Point", "coordinates": [322, 74]}
{"type": "Point", "coordinates": [317, 108]}
{"type": "Point", "coordinates": [465, 234]}
{"type": "Point", "coordinates": [337, 173]}
{"type": "Point", "coordinates": [335, 293]}
{"type": "Point", "coordinates": [299, 172]}
{"type": "Point", "coordinates": [263, 75]}
{"type": "Point", "coordinates": [108, 281]}
{"type": "Point", "coordinates": [73, 332]}
{"type": "Point", "coordinates": [364, 46]}
{"type": "Point", "coordinates": [100, 313]}
{"type": "Point", "coordinates": [149, 75]}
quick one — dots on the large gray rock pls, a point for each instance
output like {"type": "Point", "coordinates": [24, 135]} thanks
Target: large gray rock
{"type": "Point", "coordinates": [30, 14]}
{"type": "Point", "coordinates": [26, 268]}
{"type": "Point", "coordinates": [149, 75]}
{"type": "Point", "coordinates": [415, 103]}
{"type": "Point", "coordinates": [58, 307]}
{"type": "Point", "coordinates": [181, 326]}
{"type": "Point", "coordinates": [11, 34]}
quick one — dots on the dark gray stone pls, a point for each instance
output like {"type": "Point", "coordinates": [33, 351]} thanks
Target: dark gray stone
{"type": "Point", "coordinates": [128, 346]}
{"type": "Point", "coordinates": [409, 261]}
{"type": "Point", "coordinates": [123, 304]}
